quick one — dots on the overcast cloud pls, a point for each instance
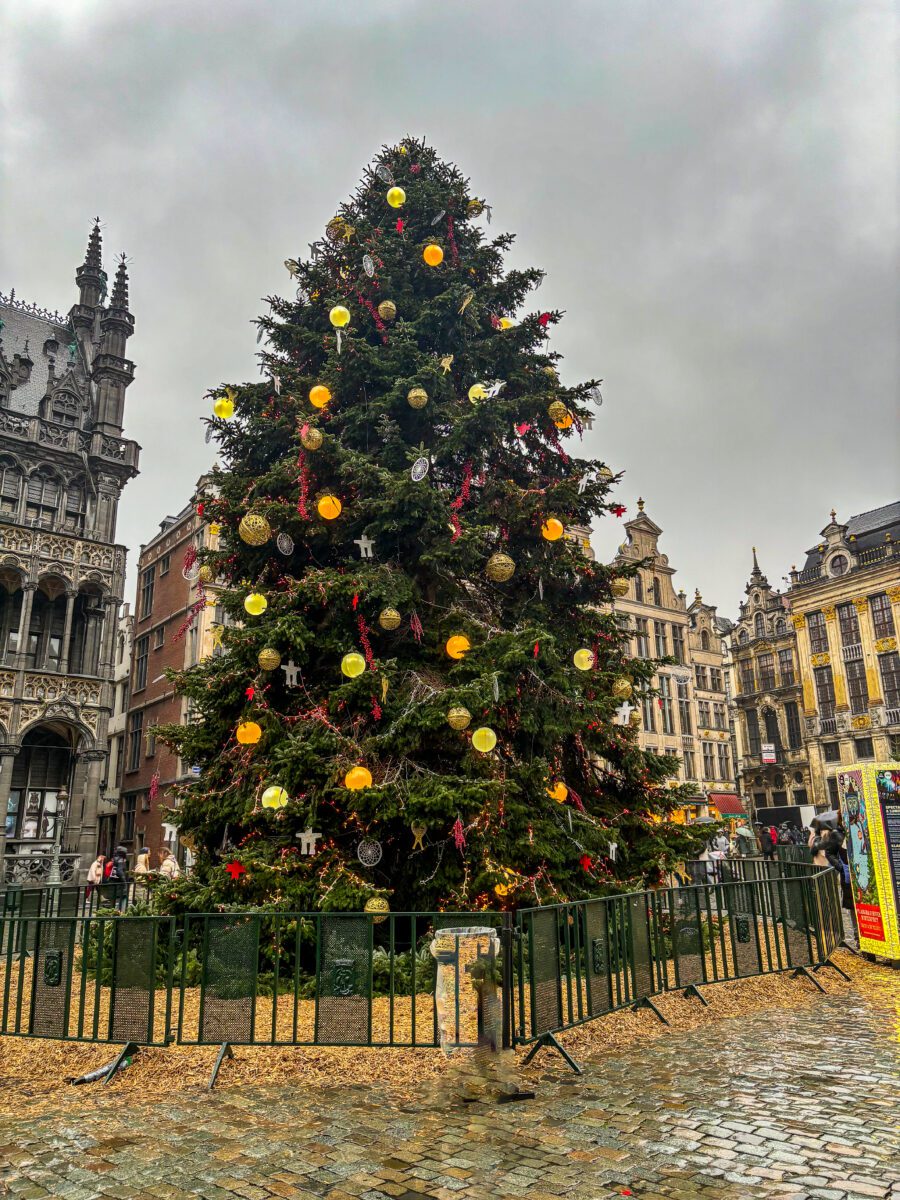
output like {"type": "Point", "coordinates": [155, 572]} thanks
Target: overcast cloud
{"type": "Point", "coordinates": [711, 186]}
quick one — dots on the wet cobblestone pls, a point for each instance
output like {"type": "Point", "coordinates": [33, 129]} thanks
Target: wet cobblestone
{"type": "Point", "coordinates": [798, 1105]}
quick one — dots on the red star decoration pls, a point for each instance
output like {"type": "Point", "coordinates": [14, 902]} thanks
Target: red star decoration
{"type": "Point", "coordinates": [400, 223]}
{"type": "Point", "coordinates": [250, 692]}
{"type": "Point", "coordinates": [619, 510]}
{"type": "Point", "coordinates": [585, 862]}
{"type": "Point", "coordinates": [544, 319]}
{"type": "Point", "coordinates": [200, 509]}
{"type": "Point", "coordinates": [236, 869]}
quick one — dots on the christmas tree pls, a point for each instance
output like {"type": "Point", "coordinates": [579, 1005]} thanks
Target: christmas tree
{"type": "Point", "coordinates": [422, 698]}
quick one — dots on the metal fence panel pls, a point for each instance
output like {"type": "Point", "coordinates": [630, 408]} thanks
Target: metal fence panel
{"type": "Point", "coordinates": [543, 961]}
{"type": "Point", "coordinates": [51, 979]}
{"type": "Point", "coordinates": [344, 980]}
{"type": "Point", "coordinates": [228, 984]}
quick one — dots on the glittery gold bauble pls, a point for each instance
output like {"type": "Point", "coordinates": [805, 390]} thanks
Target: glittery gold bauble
{"type": "Point", "coordinates": [312, 438]}
{"type": "Point", "coordinates": [622, 688]}
{"type": "Point", "coordinates": [417, 397]}
{"type": "Point", "coordinates": [387, 310]}
{"type": "Point", "coordinates": [268, 659]}
{"type": "Point", "coordinates": [500, 567]}
{"type": "Point", "coordinates": [635, 717]}
{"type": "Point", "coordinates": [377, 904]}
{"type": "Point", "coordinates": [604, 473]}
{"type": "Point", "coordinates": [389, 618]}
{"type": "Point", "coordinates": [254, 529]}
{"type": "Point", "coordinates": [335, 229]}
{"type": "Point", "coordinates": [557, 410]}
{"type": "Point", "coordinates": [552, 372]}
{"type": "Point", "coordinates": [205, 574]}
{"type": "Point", "coordinates": [619, 588]}
{"type": "Point", "coordinates": [475, 207]}
{"type": "Point", "coordinates": [459, 717]}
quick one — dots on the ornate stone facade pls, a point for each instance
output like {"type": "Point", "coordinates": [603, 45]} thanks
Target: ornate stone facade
{"type": "Point", "coordinates": [63, 464]}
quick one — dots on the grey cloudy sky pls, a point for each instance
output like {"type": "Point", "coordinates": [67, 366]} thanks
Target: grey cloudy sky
{"type": "Point", "coordinates": [711, 186]}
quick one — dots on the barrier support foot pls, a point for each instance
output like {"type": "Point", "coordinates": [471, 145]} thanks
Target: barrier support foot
{"type": "Point", "coordinates": [547, 1039]}
{"type": "Point", "coordinates": [693, 990]}
{"type": "Point", "coordinates": [225, 1051]}
{"type": "Point", "coordinates": [828, 963]}
{"type": "Point", "coordinates": [128, 1051]}
{"type": "Point", "coordinates": [646, 1002]}
{"type": "Point", "coordinates": [808, 975]}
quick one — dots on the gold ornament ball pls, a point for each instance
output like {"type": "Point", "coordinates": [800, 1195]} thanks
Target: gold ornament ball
{"type": "Point", "coordinates": [552, 529]}
{"type": "Point", "coordinates": [619, 588]}
{"type": "Point", "coordinates": [396, 197]}
{"type": "Point", "coordinates": [274, 797]}
{"type": "Point", "coordinates": [215, 529]}
{"type": "Point", "coordinates": [417, 397]}
{"type": "Point", "coordinates": [269, 660]}
{"type": "Point", "coordinates": [387, 310]}
{"type": "Point", "coordinates": [377, 905]}
{"type": "Point", "coordinates": [205, 574]}
{"type": "Point", "coordinates": [339, 316]}
{"type": "Point", "coordinates": [389, 618]}
{"type": "Point", "coordinates": [353, 664]}
{"type": "Point", "coordinates": [506, 322]}
{"type": "Point", "coordinates": [248, 733]}
{"type": "Point", "coordinates": [433, 255]}
{"type": "Point", "coordinates": [583, 659]}
{"type": "Point", "coordinates": [329, 507]}
{"type": "Point", "coordinates": [476, 393]}
{"type": "Point", "coordinates": [358, 778]}
{"type": "Point", "coordinates": [552, 372]}
{"type": "Point", "coordinates": [558, 791]}
{"type": "Point", "coordinates": [635, 717]}
{"type": "Point", "coordinates": [335, 229]}
{"type": "Point", "coordinates": [484, 739]}
{"type": "Point", "coordinates": [622, 689]}
{"type": "Point", "coordinates": [459, 717]}
{"type": "Point", "coordinates": [224, 408]}
{"type": "Point", "coordinates": [605, 473]}
{"type": "Point", "coordinates": [475, 207]}
{"type": "Point", "coordinates": [255, 604]}
{"type": "Point", "coordinates": [312, 438]}
{"type": "Point", "coordinates": [254, 529]}
{"type": "Point", "coordinates": [500, 567]}
{"type": "Point", "coordinates": [557, 410]}
{"type": "Point", "coordinates": [458, 645]}
{"type": "Point", "coordinates": [319, 395]}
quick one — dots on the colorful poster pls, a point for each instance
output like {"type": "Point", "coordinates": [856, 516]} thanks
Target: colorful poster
{"type": "Point", "coordinates": [870, 804]}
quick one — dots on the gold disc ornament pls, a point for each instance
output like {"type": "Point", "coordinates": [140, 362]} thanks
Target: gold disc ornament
{"type": "Point", "coordinates": [635, 717]}
{"type": "Point", "coordinates": [375, 905]}
{"type": "Point", "coordinates": [619, 588]}
{"type": "Point", "coordinates": [268, 659]}
{"type": "Point", "coordinates": [389, 618]}
{"type": "Point", "coordinates": [500, 567]}
{"type": "Point", "coordinates": [312, 438]}
{"type": "Point", "coordinates": [459, 717]}
{"type": "Point", "coordinates": [621, 688]}
{"type": "Point", "coordinates": [387, 310]}
{"type": "Point", "coordinates": [557, 410]}
{"type": "Point", "coordinates": [254, 529]}
{"type": "Point", "coordinates": [206, 574]}
{"type": "Point", "coordinates": [417, 397]}
{"type": "Point", "coordinates": [605, 473]}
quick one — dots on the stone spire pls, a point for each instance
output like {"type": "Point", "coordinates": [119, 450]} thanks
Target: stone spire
{"type": "Point", "coordinates": [112, 371]}
{"type": "Point", "coordinates": [89, 276]}
{"type": "Point", "coordinates": [119, 299]}
{"type": "Point", "coordinates": [93, 259]}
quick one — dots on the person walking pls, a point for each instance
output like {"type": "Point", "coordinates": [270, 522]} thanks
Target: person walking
{"type": "Point", "coordinates": [142, 871]}
{"type": "Point", "coordinates": [768, 841]}
{"type": "Point", "coordinates": [118, 875]}
{"type": "Point", "coordinates": [169, 865]}
{"type": "Point", "coordinates": [816, 843]}
{"type": "Point", "coordinates": [95, 874]}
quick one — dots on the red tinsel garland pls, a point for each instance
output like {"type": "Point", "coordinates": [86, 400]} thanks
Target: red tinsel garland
{"type": "Point", "coordinates": [459, 835]}
{"type": "Point", "coordinates": [303, 480]}
{"type": "Point", "coordinates": [379, 324]}
{"type": "Point", "coordinates": [364, 638]}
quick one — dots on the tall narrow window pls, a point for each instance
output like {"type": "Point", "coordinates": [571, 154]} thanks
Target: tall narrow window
{"type": "Point", "coordinates": [690, 765]}
{"type": "Point", "coordinates": [882, 617]}
{"type": "Point", "coordinates": [773, 733]}
{"type": "Point", "coordinates": [643, 641]}
{"type": "Point", "coordinates": [857, 687]}
{"type": "Point", "coordinates": [747, 682]}
{"type": "Point", "coordinates": [753, 739]}
{"type": "Point", "coordinates": [10, 486]}
{"type": "Point", "coordinates": [818, 633]}
{"type": "Point", "coordinates": [704, 639]}
{"type": "Point", "coordinates": [824, 691]}
{"type": "Point", "coordinates": [147, 582]}
{"type": "Point", "coordinates": [684, 707]}
{"type": "Point", "coordinates": [766, 664]}
{"type": "Point", "coordinates": [638, 587]}
{"type": "Point", "coordinates": [666, 706]}
{"type": "Point", "coordinates": [135, 734]}
{"type": "Point", "coordinates": [792, 720]}
{"type": "Point", "coordinates": [709, 762]}
{"type": "Point", "coordinates": [141, 657]}
{"type": "Point", "coordinates": [719, 716]}
{"type": "Point", "coordinates": [715, 680]}
{"type": "Point", "coordinates": [890, 678]}
{"type": "Point", "coordinates": [724, 761]}
{"type": "Point", "coordinates": [700, 677]}
{"type": "Point", "coordinates": [678, 643]}
{"type": "Point", "coordinates": [849, 624]}
{"type": "Point", "coordinates": [786, 667]}
{"type": "Point", "coordinates": [759, 626]}
{"type": "Point", "coordinates": [703, 714]}
{"type": "Point", "coordinates": [648, 706]}
{"type": "Point", "coordinates": [657, 594]}
{"type": "Point", "coordinates": [659, 630]}
{"type": "Point", "coordinates": [41, 498]}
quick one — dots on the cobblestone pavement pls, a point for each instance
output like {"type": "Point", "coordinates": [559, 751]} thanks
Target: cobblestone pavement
{"type": "Point", "coordinates": [799, 1103]}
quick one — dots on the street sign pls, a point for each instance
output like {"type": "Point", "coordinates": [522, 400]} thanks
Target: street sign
{"type": "Point", "coordinates": [768, 752]}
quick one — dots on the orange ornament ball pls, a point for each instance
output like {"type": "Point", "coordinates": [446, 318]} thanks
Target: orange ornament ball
{"type": "Point", "coordinates": [319, 395]}
{"type": "Point", "coordinates": [458, 646]}
{"type": "Point", "coordinates": [552, 529]}
{"type": "Point", "coordinates": [329, 507]}
{"type": "Point", "coordinates": [433, 255]}
{"type": "Point", "coordinates": [358, 778]}
{"type": "Point", "coordinates": [558, 791]}
{"type": "Point", "coordinates": [248, 733]}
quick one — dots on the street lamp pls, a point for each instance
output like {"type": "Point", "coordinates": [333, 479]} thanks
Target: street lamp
{"type": "Point", "coordinates": [62, 801]}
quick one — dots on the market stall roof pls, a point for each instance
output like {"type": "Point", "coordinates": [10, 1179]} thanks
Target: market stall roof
{"type": "Point", "coordinates": [728, 803]}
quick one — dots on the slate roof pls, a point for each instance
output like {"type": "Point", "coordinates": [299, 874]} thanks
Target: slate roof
{"type": "Point", "coordinates": [868, 528]}
{"type": "Point", "coordinates": [24, 328]}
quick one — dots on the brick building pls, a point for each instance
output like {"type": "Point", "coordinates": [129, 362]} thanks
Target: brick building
{"type": "Point", "coordinates": [166, 594]}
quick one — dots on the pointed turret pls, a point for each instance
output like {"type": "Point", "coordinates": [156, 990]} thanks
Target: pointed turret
{"type": "Point", "coordinates": [89, 276]}
{"type": "Point", "coordinates": [119, 300]}
{"type": "Point", "coordinates": [757, 579]}
{"type": "Point", "coordinates": [112, 371]}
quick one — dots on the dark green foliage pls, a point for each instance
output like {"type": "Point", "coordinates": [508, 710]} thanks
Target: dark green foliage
{"type": "Point", "coordinates": [498, 469]}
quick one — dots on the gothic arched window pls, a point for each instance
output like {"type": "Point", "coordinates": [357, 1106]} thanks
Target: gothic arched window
{"type": "Point", "coordinates": [780, 626]}
{"type": "Point", "coordinates": [64, 409]}
{"type": "Point", "coordinates": [10, 485]}
{"type": "Point", "coordinates": [744, 637]}
{"type": "Point", "coordinates": [42, 497]}
{"type": "Point", "coordinates": [75, 506]}
{"type": "Point", "coordinates": [704, 639]}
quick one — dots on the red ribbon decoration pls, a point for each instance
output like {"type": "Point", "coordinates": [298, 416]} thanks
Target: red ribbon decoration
{"type": "Point", "coordinates": [459, 834]}
{"type": "Point", "coordinates": [303, 480]}
{"type": "Point", "coordinates": [585, 862]}
{"type": "Point", "coordinates": [364, 638]}
{"type": "Point", "coordinates": [415, 626]}
{"type": "Point", "coordinates": [379, 324]}
{"type": "Point", "coordinates": [457, 528]}
{"type": "Point", "coordinates": [376, 709]}
{"type": "Point", "coordinates": [250, 692]}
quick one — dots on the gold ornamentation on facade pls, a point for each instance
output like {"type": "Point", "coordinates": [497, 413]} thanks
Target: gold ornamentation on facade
{"type": "Point", "coordinates": [861, 723]}
{"type": "Point", "coordinates": [860, 603]}
{"type": "Point", "coordinates": [798, 620]}
{"type": "Point", "coordinates": [820, 660]}
{"type": "Point", "coordinates": [885, 645]}
{"type": "Point", "coordinates": [828, 612]}
{"type": "Point", "coordinates": [894, 595]}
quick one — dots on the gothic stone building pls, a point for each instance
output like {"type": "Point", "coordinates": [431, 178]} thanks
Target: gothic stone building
{"type": "Point", "coordinates": [63, 464]}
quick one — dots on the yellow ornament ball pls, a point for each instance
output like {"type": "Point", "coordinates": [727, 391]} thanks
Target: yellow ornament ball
{"type": "Point", "coordinates": [358, 778]}
{"type": "Point", "coordinates": [255, 604]}
{"type": "Point", "coordinates": [396, 197]}
{"type": "Point", "coordinates": [312, 438]}
{"type": "Point", "coordinates": [274, 797]}
{"type": "Point", "coordinates": [500, 567]}
{"type": "Point", "coordinates": [329, 507]}
{"type": "Point", "coordinates": [339, 316]}
{"type": "Point", "coordinates": [565, 422]}
{"type": "Point", "coordinates": [224, 408]}
{"type": "Point", "coordinates": [433, 255]}
{"type": "Point", "coordinates": [417, 397]}
{"type": "Point", "coordinates": [583, 659]}
{"type": "Point", "coordinates": [458, 645]}
{"type": "Point", "coordinates": [376, 905]}
{"type": "Point", "coordinates": [387, 310]}
{"type": "Point", "coordinates": [484, 739]}
{"type": "Point", "coordinates": [622, 689]}
{"type": "Point", "coordinates": [619, 588]}
{"type": "Point", "coordinates": [205, 574]}
{"type": "Point", "coordinates": [319, 395]}
{"type": "Point", "coordinates": [558, 791]}
{"type": "Point", "coordinates": [389, 618]}
{"type": "Point", "coordinates": [501, 889]}
{"type": "Point", "coordinates": [476, 393]}
{"type": "Point", "coordinates": [215, 529]}
{"type": "Point", "coordinates": [634, 717]}
{"type": "Point", "coordinates": [268, 659]}
{"type": "Point", "coordinates": [353, 664]}
{"type": "Point", "coordinates": [506, 322]}
{"type": "Point", "coordinates": [552, 529]}
{"type": "Point", "coordinates": [248, 733]}
{"type": "Point", "coordinates": [254, 529]}
{"type": "Point", "coordinates": [459, 717]}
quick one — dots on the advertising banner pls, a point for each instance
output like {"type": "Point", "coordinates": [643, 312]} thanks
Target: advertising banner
{"type": "Point", "coordinates": [870, 804]}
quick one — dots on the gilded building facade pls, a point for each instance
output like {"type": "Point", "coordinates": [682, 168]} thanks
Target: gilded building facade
{"type": "Point", "coordinates": [845, 612]}
{"type": "Point", "coordinates": [689, 716]}
{"type": "Point", "coordinates": [63, 465]}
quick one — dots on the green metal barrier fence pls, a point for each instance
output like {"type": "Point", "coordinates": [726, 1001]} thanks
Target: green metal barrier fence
{"type": "Point", "coordinates": [359, 979]}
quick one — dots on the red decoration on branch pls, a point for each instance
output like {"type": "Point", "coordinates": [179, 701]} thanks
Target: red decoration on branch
{"type": "Point", "coordinates": [154, 787]}
{"type": "Point", "coordinates": [303, 480]}
{"type": "Point", "coordinates": [190, 557]}
{"type": "Point", "coordinates": [400, 224]}
{"type": "Point", "coordinates": [250, 692]}
{"type": "Point", "coordinates": [200, 509]}
{"type": "Point", "coordinates": [576, 800]}
{"type": "Point", "coordinates": [544, 319]}
{"type": "Point", "coordinates": [459, 835]}
{"type": "Point", "coordinates": [354, 603]}
{"type": "Point", "coordinates": [373, 311]}
{"type": "Point", "coordinates": [415, 627]}
{"type": "Point", "coordinates": [464, 493]}
{"type": "Point", "coordinates": [194, 611]}
{"type": "Point", "coordinates": [537, 649]}
{"type": "Point", "coordinates": [376, 709]}
{"type": "Point", "coordinates": [364, 638]}
{"type": "Point", "coordinates": [585, 862]}
{"type": "Point", "coordinates": [522, 428]}
{"type": "Point", "coordinates": [619, 510]}
{"type": "Point", "coordinates": [235, 869]}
